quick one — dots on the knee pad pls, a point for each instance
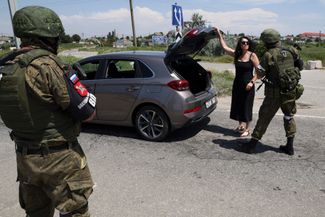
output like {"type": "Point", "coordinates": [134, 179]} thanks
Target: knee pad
{"type": "Point", "coordinates": [287, 118]}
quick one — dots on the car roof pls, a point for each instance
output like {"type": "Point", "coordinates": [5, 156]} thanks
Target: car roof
{"type": "Point", "coordinates": [131, 54]}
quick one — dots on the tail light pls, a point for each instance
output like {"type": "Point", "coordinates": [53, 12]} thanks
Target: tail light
{"type": "Point", "coordinates": [179, 85]}
{"type": "Point", "coordinates": [192, 33]}
{"type": "Point", "coordinates": [197, 108]}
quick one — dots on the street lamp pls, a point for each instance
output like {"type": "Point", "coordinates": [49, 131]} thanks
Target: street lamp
{"type": "Point", "coordinates": [132, 21]}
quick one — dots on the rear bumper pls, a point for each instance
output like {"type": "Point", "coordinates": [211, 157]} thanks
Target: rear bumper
{"type": "Point", "coordinates": [194, 117]}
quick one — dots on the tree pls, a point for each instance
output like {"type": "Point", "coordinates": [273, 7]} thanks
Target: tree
{"type": "Point", "coordinates": [197, 21]}
{"type": "Point", "coordinates": [76, 38]}
{"type": "Point", "coordinates": [65, 38]}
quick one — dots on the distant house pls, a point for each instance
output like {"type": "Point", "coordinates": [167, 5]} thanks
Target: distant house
{"type": "Point", "coordinates": [121, 43]}
{"type": "Point", "coordinates": [311, 35]}
{"type": "Point", "coordinates": [5, 39]}
{"type": "Point", "coordinates": [289, 37]}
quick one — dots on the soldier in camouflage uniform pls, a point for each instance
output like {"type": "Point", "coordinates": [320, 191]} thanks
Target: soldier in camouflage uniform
{"type": "Point", "coordinates": [274, 99]}
{"type": "Point", "coordinates": [52, 167]}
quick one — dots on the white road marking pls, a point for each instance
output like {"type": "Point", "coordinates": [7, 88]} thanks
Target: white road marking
{"type": "Point", "coordinates": [280, 114]}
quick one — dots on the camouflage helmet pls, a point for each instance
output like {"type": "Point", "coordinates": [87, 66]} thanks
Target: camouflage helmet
{"type": "Point", "coordinates": [37, 21]}
{"type": "Point", "coordinates": [270, 36]}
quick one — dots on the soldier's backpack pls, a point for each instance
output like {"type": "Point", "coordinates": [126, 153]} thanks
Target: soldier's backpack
{"type": "Point", "coordinates": [288, 66]}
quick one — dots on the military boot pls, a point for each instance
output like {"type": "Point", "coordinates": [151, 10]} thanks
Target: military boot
{"type": "Point", "coordinates": [249, 147]}
{"type": "Point", "coordinates": [288, 148]}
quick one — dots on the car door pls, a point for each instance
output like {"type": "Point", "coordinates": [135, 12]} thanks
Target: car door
{"type": "Point", "coordinates": [118, 90]}
{"type": "Point", "coordinates": [94, 70]}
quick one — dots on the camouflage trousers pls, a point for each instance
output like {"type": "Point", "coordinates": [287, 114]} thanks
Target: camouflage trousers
{"type": "Point", "coordinates": [268, 109]}
{"type": "Point", "coordinates": [59, 180]}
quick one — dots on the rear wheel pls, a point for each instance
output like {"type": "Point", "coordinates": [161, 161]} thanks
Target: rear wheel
{"type": "Point", "coordinates": [152, 123]}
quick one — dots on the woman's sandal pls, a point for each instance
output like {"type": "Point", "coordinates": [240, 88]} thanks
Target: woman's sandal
{"type": "Point", "coordinates": [245, 133]}
{"type": "Point", "coordinates": [239, 129]}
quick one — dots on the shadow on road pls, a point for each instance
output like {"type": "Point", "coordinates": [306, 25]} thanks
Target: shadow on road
{"type": "Point", "coordinates": [189, 131]}
{"type": "Point", "coordinates": [221, 130]}
{"type": "Point", "coordinates": [236, 145]}
{"type": "Point", "coordinates": [130, 132]}
{"type": "Point", "coordinates": [110, 130]}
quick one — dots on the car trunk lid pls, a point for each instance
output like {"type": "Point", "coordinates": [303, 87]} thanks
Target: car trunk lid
{"type": "Point", "coordinates": [192, 42]}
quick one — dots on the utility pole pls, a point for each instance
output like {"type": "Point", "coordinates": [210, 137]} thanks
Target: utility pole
{"type": "Point", "coordinates": [320, 37]}
{"type": "Point", "coordinates": [132, 21]}
{"type": "Point", "coordinates": [12, 10]}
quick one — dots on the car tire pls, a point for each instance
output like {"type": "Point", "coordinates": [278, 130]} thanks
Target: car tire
{"type": "Point", "coordinates": [152, 123]}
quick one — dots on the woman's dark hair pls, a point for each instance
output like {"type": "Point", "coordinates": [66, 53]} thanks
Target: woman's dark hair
{"type": "Point", "coordinates": [238, 50]}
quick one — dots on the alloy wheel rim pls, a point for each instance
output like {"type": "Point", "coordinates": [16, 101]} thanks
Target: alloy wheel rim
{"type": "Point", "coordinates": [151, 124]}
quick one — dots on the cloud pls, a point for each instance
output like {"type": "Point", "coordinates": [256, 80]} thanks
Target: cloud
{"type": "Point", "coordinates": [100, 23]}
{"type": "Point", "coordinates": [263, 2]}
{"type": "Point", "coordinates": [251, 21]}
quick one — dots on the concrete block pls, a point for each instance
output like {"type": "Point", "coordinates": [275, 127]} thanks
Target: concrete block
{"type": "Point", "coordinates": [314, 64]}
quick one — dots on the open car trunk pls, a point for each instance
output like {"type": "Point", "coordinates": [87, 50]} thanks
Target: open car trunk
{"type": "Point", "coordinates": [178, 58]}
{"type": "Point", "coordinates": [197, 77]}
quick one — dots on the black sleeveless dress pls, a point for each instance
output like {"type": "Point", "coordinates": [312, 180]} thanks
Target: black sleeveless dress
{"type": "Point", "coordinates": [242, 100]}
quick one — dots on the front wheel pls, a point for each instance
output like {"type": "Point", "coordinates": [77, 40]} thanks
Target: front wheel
{"type": "Point", "coordinates": [152, 123]}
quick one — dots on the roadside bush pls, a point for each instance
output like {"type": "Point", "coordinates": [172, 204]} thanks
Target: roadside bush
{"type": "Point", "coordinates": [5, 46]}
{"type": "Point", "coordinates": [223, 82]}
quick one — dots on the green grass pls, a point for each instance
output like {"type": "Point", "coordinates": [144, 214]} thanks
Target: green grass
{"type": "Point", "coordinates": [69, 59]}
{"type": "Point", "coordinates": [313, 52]}
{"type": "Point", "coordinates": [223, 81]}
{"type": "Point", "coordinates": [3, 52]}
{"type": "Point", "coordinates": [69, 46]}
{"type": "Point", "coordinates": [216, 59]}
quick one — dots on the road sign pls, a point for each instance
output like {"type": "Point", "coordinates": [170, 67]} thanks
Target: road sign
{"type": "Point", "coordinates": [159, 40]}
{"type": "Point", "coordinates": [177, 15]}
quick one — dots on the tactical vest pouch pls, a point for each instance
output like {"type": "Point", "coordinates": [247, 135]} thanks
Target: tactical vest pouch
{"type": "Point", "coordinates": [299, 90]}
{"type": "Point", "coordinates": [289, 79]}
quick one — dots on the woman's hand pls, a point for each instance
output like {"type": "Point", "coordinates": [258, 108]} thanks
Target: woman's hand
{"type": "Point", "coordinates": [218, 33]}
{"type": "Point", "coordinates": [249, 85]}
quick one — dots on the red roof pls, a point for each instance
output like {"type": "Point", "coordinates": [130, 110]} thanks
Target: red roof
{"type": "Point", "coordinates": [311, 34]}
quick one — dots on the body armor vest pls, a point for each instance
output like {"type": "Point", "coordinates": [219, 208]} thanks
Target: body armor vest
{"type": "Point", "coordinates": [30, 118]}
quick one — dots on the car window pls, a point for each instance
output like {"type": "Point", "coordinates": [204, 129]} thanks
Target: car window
{"type": "Point", "coordinates": [145, 71]}
{"type": "Point", "coordinates": [121, 69]}
{"type": "Point", "coordinates": [90, 69]}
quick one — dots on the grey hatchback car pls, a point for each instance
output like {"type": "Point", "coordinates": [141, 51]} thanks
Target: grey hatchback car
{"type": "Point", "coordinates": [156, 92]}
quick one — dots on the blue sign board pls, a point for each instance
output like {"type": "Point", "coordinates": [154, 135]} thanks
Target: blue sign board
{"type": "Point", "coordinates": [177, 15]}
{"type": "Point", "coordinates": [159, 40]}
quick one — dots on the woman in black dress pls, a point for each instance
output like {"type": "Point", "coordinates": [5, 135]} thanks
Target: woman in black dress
{"type": "Point", "coordinates": [243, 90]}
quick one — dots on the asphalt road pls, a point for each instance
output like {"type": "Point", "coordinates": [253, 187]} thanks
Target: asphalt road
{"type": "Point", "coordinates": [198, 171]}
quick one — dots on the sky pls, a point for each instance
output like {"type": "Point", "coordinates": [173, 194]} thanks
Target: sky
{"type": "Point", "coordinates": [99, 17]}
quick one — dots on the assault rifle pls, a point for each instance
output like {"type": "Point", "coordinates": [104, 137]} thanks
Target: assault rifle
{"type": "Point", "coordinates": [264, 81]}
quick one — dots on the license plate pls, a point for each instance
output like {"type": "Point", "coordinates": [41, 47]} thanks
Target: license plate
{"type": "Point", "coordinates": [210, 102]}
